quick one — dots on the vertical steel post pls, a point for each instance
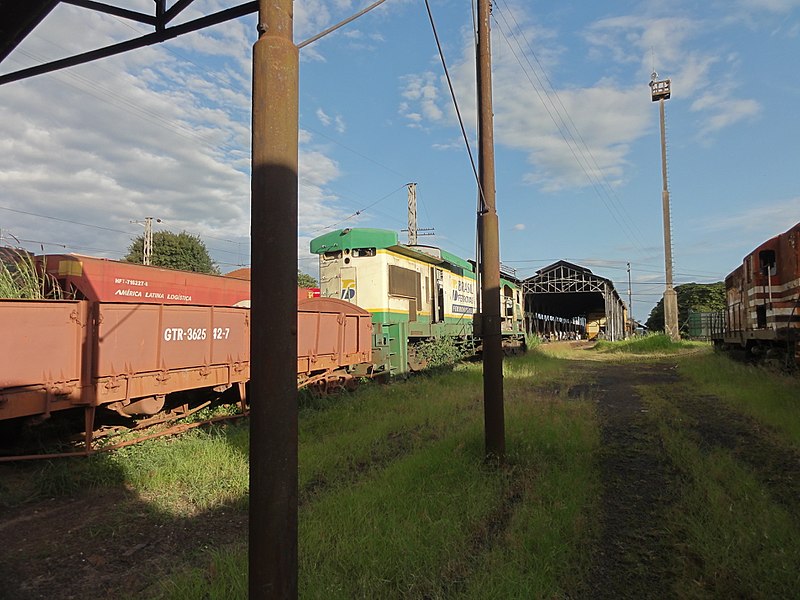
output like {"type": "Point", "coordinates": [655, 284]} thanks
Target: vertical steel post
{"type": "Point", "coordinates": [273, 339]}
{"type": "Point", "coordinates": [493, 411]}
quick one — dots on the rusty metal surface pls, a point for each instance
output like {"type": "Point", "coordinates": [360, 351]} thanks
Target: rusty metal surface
{"type": "Point", "coordinates": [104, 280]}
{"type": "Point", "coordinates": [41, 341]}
{"type": "Point", "coordinates": [64, 354]}
{"type": "Point", "coordinates": [331, 333]}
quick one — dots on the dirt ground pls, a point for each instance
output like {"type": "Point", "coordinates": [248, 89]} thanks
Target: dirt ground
{"type": "Point", "coordinates": [107, 544]}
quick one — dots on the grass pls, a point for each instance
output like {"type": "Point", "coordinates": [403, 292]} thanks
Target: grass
{"type": "Point", "coordinates": [653, 345]}
{"type": "Point", "coordinates": [397, 502]}
{"type": "Point", "coordinates": [770, 397]}
{"type": "Point", "coordinates": [22, 279]}
{"type": "Point", "coordinates": [735, 540]}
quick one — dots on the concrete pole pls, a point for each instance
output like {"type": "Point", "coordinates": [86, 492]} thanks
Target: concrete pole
{"type": "Point", "coordinates": [273, 336]}
{"type": "Point", "coordinates": [670, 296]}
{"type": "Point", "coordinates": [493, 410]}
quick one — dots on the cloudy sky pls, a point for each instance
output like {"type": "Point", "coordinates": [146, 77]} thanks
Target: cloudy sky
{"type": "Point", "coordinates": [164, 131]}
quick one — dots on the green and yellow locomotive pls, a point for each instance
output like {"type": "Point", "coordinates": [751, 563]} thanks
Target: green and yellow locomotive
{"type": "Point", "coordinates": [414, 293]}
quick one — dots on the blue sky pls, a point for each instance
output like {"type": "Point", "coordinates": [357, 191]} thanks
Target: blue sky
{"type": "Point", "coordinates": [164, 132]}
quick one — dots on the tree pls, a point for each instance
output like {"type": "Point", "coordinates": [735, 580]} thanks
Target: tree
{"type": "Point", "coordinates": [181, 251]}
{"type": "Point", "coordinates": [694, 297]}
{"type": "Point", "coordinates": [306, 281]}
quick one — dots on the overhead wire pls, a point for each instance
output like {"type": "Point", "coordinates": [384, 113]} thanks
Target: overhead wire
{"type": "Point", "coordinates": [564, 130]}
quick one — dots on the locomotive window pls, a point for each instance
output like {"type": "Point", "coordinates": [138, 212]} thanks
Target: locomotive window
{"type": "Point", "coordinates": [333, 255]}
{"type": "Point", "coordinates": [363, 252]}
{"type": "Point", "coordinates": [766, 262]}
{"type": "Point", "coordinates": [405, 283]}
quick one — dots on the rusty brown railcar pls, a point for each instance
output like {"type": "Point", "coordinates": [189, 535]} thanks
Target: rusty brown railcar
{"type": "Point", "coordinates": [762, 298]}
{"type": "Point", "coordinates": [130, 356]}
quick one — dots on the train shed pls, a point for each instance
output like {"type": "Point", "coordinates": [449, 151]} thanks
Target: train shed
{"type": "Point", "coordinates": [564, 300]}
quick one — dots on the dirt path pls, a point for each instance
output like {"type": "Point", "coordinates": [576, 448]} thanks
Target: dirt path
{"type": "Point", "coordinates": [632, 557]}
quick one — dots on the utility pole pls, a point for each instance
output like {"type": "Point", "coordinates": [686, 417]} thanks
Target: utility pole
{"type": "Point", "coordinates": [147, 239]}
{"type": "Point", "coordinates": [412, 214]}
{"type": "Point", "coordinates": [493, 410]}
{"type": "Point", "coordinates": [273, 335]}
{"type": "Point", "coordinates": [630, 302]}
{"type": "Point", "coordinates": [413, 231]}
{"type": "Point", "coordinates": [661, 91]}
{"type": "Point", "coordinates": [147, 250]}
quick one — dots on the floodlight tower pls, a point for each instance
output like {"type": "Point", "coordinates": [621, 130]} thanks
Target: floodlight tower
{"type": "Point", "coordinates": [660, 91]}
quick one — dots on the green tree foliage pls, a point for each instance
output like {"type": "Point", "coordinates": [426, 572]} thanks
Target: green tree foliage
{"type": "Point", "coordinates": [306, 281]}
{"type": "Point", "coordinates": [181, 251]}
{"type": "Point", "coordinates": [695, 297]}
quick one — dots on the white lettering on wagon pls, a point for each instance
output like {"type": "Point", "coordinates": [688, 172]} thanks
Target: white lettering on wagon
{"type": "Point", "coordinates": [133, 282]}
{"type": "Point", "coordinates": [192, 334]}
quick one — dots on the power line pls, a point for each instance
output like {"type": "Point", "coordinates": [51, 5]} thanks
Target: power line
{"type": "Point", "coordinates": [598, 182]}
{"type": "Point", "coordinates": [23, 212]}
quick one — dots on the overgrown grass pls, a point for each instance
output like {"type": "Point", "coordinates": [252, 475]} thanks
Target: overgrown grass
{"type": "Point", "coordinates": [734, 539]}
{"type": "Point", "coordinates": [23, 280]}
{"type": "Point", "coordinates": [178, 476]}
{"type": "Point", "coordinates": [766, 395]}
{"type": "Point", "coordinates": [396, 500]}
{"type": "Point", "coordinates": [657, 344]}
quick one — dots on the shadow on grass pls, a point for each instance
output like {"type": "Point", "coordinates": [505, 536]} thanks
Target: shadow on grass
{"type": "Point", "coordinates": [94, 527]}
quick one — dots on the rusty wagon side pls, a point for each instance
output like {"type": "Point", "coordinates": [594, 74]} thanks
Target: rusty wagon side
{"type": "Point", "coordinates": [129, 357]}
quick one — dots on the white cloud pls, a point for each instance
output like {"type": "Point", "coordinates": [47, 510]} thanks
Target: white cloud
{"type": "Point", "coordinates": [423, 92]}
{"type": "Point", "coordinates": [153, 132]}
{"type": "Point", "coordinates": [323, 117]}
{"type": "Point", "coordinates": [764, 219]}
{"type": "Point", "coordinates": [519, 227]}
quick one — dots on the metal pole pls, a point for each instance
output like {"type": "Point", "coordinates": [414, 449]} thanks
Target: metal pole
{"type": "Point", "coordinates": [273, 337]}
{"type": "Point", "coordinates": [493, 412]}
{"type": "Point", "coordinates": [147, 243]}
{"type": "Point", "coordinates": [630, 301]}
{"type": "Point", "coordinates": [670, 296]}
{"type": "Point", "coordinates": [412, 214]}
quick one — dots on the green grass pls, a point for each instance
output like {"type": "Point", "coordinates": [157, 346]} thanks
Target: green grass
{"type": "Point", "coordinates": [770, 397]}
{"type": "Point", "coordinates": [397, 500]}
{"type": "Point", "coordinates": [657, 344]}
{"type": "Point", "coordinates": [177, 476]}
{"type": "Point", "coordinates": [734, 540]}
{"type": "Point", "coordinates": [22, 279]}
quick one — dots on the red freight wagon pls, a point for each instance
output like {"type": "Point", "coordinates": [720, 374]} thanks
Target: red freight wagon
{"type": "Point", "coordinates": [128, 357]}
{"type": "Point", "coordinates": [104, 280]}
{"type": "Point", "coordinates": [42, 356]}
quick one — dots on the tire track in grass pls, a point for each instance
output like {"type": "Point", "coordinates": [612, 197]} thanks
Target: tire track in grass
{"type": "Point", "coordinates": [455, 574]}
{"type": "Point", "coordinates": [716, 425]}
{"type": "Point", "coordinates": [632, 556]}
{"type": "Point", "coordinates": [392, 447]}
